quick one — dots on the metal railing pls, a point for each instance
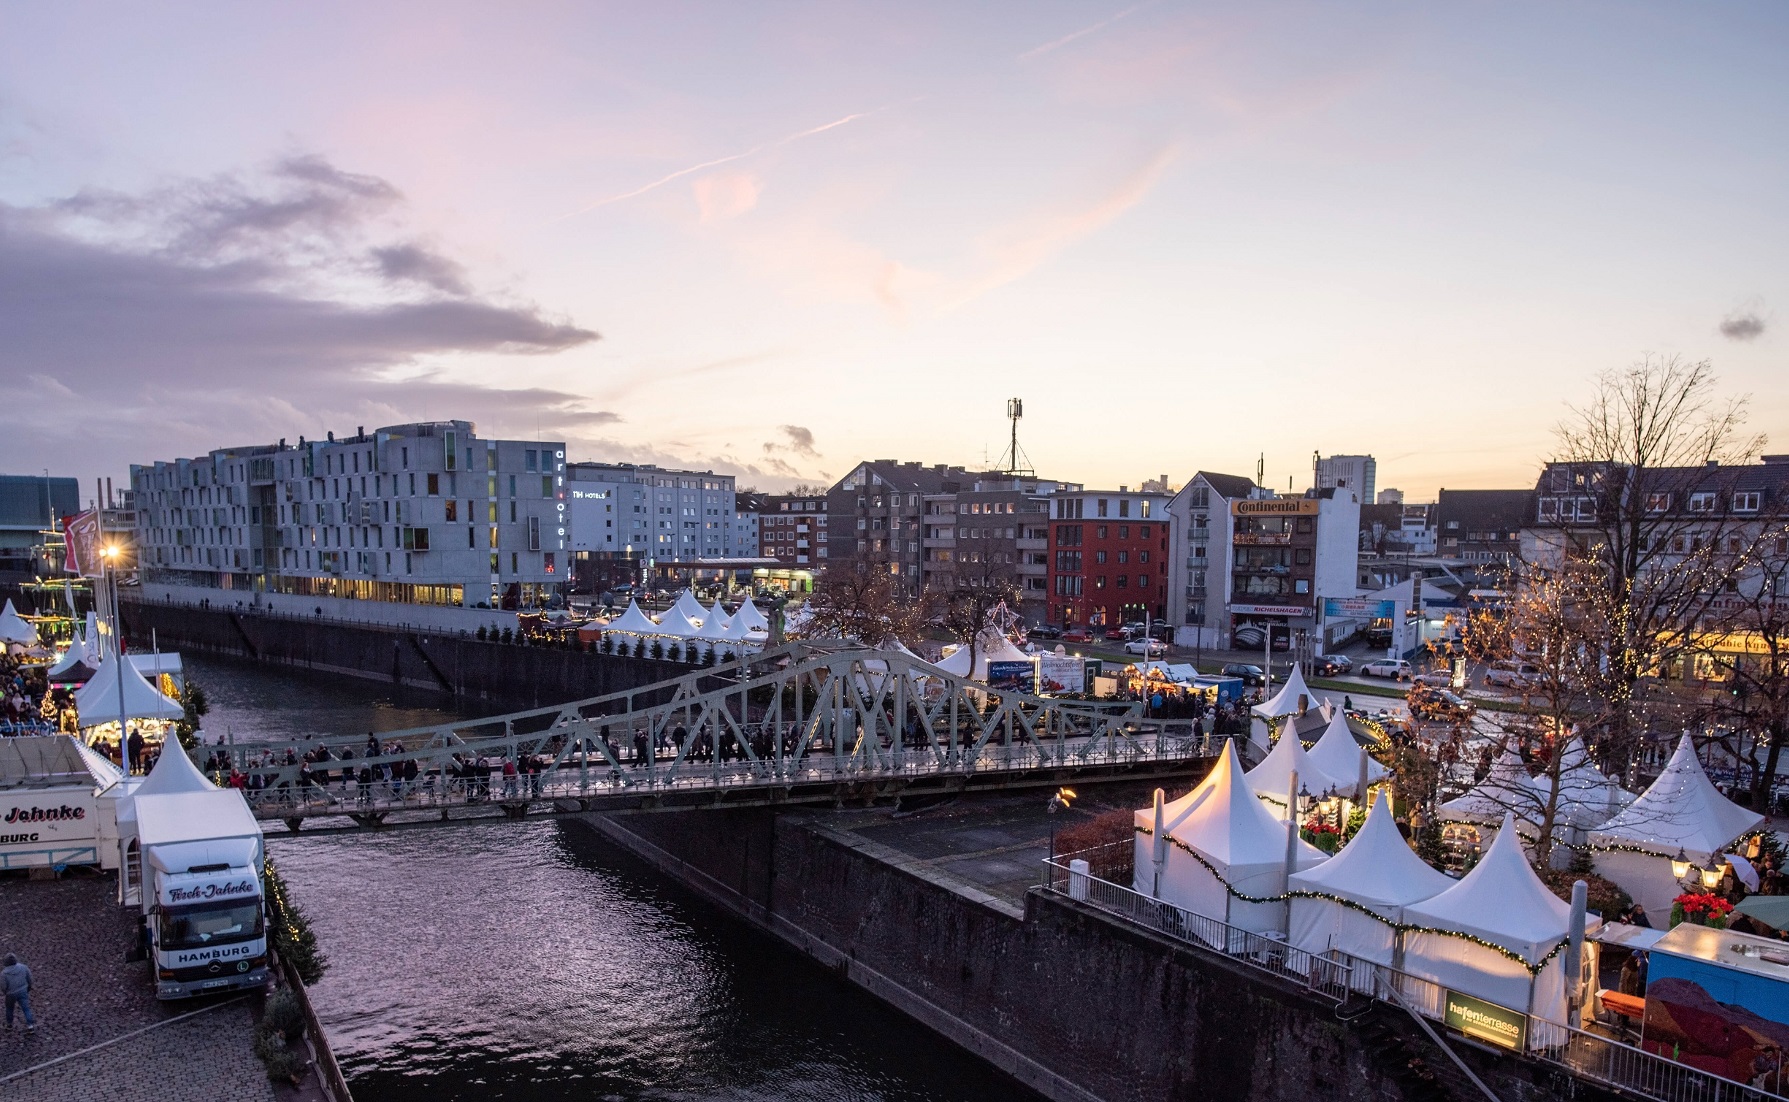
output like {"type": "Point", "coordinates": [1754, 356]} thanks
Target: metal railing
{"type": "Point", "coordinates": [1338, 976]}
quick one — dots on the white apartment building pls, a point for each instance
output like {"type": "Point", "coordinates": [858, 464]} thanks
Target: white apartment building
{"type": "Point", "coordinates": [627, 518]}
{"type": "Point", "coordinates": [1358, 473]}
{"type": "Point", "coordinates": [424, 513]}
{"type": "Point", "coordinates": [1199, 541]}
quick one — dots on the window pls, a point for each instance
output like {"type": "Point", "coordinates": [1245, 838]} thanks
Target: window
{"type": "Point", "coordinates": [546, 485]}
{"type": "Point", "coordinates": [531, 460]}
{"type": "Point", "coordinates": [1144, 531]}
{"type": "Point", "coordinates": [1142, 581]}
{"type": "Point", "coordinates": [1099, 582]}
{"type": "Point", "coordinates": [1100, 507]}
{"type": "Point", "coordinates": [1658, 503]}
{"type": "Point", "coordinates": [1702, 503]}
{"type": "Point", "coordinates": [1099, 557]}
{"type": "Point", "coordinates": [1124, 556]}
{"type": "Point", "coordinates": [1142, 556]}
{"type": "Point", "coordinates": [1122, 579]}
{"type": "Point", "coordinates": [1747, 502]}
{"type": "Point", "coordinates": [1302, 556]}
{"type": "Point", "coordinates": [1124, 506]}
{"type": "Point", "coordinates": [453, 510]}
{"type": "Point", "coordinates": [434, 485]}
{"type": "Point", "coordinates": [1301, 586]}
{"type": "Point", "coordinates": [1124, 532]}
{"type": "Point", "coordinates": [1100, 533]}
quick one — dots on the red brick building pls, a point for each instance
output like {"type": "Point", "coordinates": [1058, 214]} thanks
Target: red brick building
{"type": "Point", "coordinates": [1108, 557]}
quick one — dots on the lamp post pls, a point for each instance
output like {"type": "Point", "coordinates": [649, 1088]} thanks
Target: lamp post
{"type": "Point", "coordinates": [109, 578]}
{"type": "Point", "coordinates": [1058, 802]}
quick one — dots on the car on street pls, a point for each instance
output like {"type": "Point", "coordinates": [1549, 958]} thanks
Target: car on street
{"type": "Point", "coordinates": [1118, 633]}
{"type": "Point", "coordinates": [1045, 631]}
{"type": "Point", "coordinates": [1076, 635]}
{"type": "Point", "coordinates": [1146, 647]}
{"type": "Point", "coordinates": [1252, 676]}
{"type": "Point", "coordinates": [1331, 665]}
{"type": "Point", "coordinates": [1438, 705]}
{"type": "Point", "coordinates": [1396, 668]}
{"type": "Point", "coordinates": [1435, 679]}
{"type": "Point", "coordinates": [1512, 674]}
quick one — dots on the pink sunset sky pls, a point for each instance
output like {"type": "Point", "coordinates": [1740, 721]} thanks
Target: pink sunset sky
{"type": "Point", "coordinates": [774, 239]}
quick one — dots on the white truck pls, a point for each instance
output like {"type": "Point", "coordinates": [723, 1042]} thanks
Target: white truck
{"type": "Point", "coordinates": [199, 856]}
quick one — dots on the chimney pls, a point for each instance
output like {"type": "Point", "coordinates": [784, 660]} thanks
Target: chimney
{"type": "Point", "coordinates": [332, 436]}
{"type": "Point", "coordinates": [360, 430]}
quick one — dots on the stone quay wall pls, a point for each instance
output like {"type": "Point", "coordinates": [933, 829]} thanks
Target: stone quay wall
{"type": "Point", "coordinates": [522, 676]}
{"type": "Point", "coordinates": [1069, 1002]}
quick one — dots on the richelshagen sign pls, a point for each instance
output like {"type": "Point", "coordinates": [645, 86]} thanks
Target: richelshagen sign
{"type": "Point", "coordinates": [1486, 1021]}
{"type": "Point", "coordinates": [1275, 507]}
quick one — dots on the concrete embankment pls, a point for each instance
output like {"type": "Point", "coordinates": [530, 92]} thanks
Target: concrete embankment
{"type": "Point", "coordinates": [519, 675]}
{"type": "Point", "coordinates": [1070, 1002]}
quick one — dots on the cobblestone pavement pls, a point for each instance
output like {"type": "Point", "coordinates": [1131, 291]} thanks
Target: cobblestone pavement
{"type": "Point", "coordinates": [74, 937]}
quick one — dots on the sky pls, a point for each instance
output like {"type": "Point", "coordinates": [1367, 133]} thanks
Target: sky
{"type": "Point", "coordinates": [775, 239]}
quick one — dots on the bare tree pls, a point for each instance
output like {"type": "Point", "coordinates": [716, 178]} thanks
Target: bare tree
{"type": "Point", "coordinates": [862, 599]}
{"type": "Point", "coordinates": [1745, 653]}
{"type": "Point", "coordinates": [975, 589]}
{"type": "Point", "coordinates": [1639, 494]}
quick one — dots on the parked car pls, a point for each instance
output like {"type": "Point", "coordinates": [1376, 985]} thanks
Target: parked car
{"type": "Point", "coordinates": [1330, 665]}
{"type": "Point", "coordinates": [1512, 674]}
{"type": "Point", "coordinates": [1045, 631]}
{"type": "Point", "coordinates": [1118, 633]}
{"type": "Point", "coordinates": [1438, 705]}
{"type": "Point", "coordinates": [1435, 679]}
{"type": "Point", "coordinates": [1077, 635]}
{"type": "Point", "coordinates": [1252, 676]}
{"type": "Point", "coordinates": [1387, 667]}
{"type": "Point", "coordinates": [1146, 647]}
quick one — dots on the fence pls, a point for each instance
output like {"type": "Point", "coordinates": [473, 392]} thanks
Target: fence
{"type": "Point", "coordinates": [1339, 977]}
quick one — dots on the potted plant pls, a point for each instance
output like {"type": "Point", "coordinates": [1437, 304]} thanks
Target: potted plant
{"type": "Point", "coordinates": [1701, 908]}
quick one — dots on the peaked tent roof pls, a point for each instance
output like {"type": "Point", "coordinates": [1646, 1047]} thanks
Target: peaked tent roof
{"type": "Point", "coordinates": [1223, 821]}
{"type": "Point", "coordinates": [15, 628]}
{"type": "Point", "coordinates": [1500, 900]}
{"type": "Point", "coordinates": [1376, 867]}
{"type": "Point", "coordinates": [1506, 788]}
{"type": "Point", "coordinates": [1272, 777]}
{"type": "Point", "coordinates": [1337, 754]}
{"type": "Point", "coordinates": [674, 623]}
{"type": "Point", "coordinates": [691, 606]}
{"type": "Point", "coordinates": [740, 630]}
{"type": "Point", "coordinates": [632, 622]}
{"type": "Point", "coordinates": [97, 700]}
{"type": "Point", "coordinates": [75, 655]}
{"type": "Point", "coordinates": [717, 617]}
{"type": "Point", "coordinates": [749, 615]}
{"type": "Point", "coordinates": [1585, 793]}
{"type": "Point", "coordinates": [173, 774]}
{"type": "Point", "coordinates": [1681, 809]}
{"type": "Point", "coordinates": [1285, 702]}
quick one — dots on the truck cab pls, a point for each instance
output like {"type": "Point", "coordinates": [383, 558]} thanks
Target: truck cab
{"type": "Point", "coordinates": [207, 923]}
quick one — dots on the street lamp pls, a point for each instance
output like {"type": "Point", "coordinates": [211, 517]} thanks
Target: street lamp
{"type": "Point", "coordinates": [1058, 802]}
{"type": "Point", "coordinates": [1711, 876]}
{"type": "Point", "coordinates": [1680, 865]}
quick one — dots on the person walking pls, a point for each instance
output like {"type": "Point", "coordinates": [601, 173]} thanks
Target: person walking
{"type": "Point", "coordinates": [15, 982]}
{"type": "Point", "coordinates": [134, 745]}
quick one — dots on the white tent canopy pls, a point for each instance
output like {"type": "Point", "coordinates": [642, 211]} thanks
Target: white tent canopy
{"type": "Point", "coordinates": [174, 773]}
{"type": "Point", "coordinates": [631, 622]}
{"type": "Point", "coordinates": [990, 646]}
{"type": "Point", "coordinates": [97, 700]}
{"type": "Point", "coordinates": [717, 617]}
{"type": "Point", "coordinates": [76, 654]}
{"type": "Point", "coordinates": [1376, 870]}
{"type": "Point", "coordinates": [15, 628]}
{"type": "Point", "coordinates": [1503, 902]}
{"type": "Point", "coordinates": [1270, 779]}
{"type": "Point", "coordinates": [691, 606]}
{"type": "Point", "coordinates": [1222, 822]}
{"type": "Point", "coordinates": [674, 624]}
{"type": "Point", "coordinates": [1681, 811]}
{"type": "Point", "coordinates": [1587, 798]}
{"type": "Point", "coordinates": [1506, 788]}
{"type": "Point", "coordinates": [751, 618]}
{"type": "Point", "coordinates": [1286, 701]}
{"type": "Point", "coordinates": [1338, 754]}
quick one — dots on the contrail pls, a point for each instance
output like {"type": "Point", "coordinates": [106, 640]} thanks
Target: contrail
{"type": "Point", "coordinates": [1082, 33]}
{"type": "Point", "coordinates": [753, 151]}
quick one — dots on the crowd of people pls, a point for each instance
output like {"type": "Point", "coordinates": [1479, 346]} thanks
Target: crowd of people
{"type": "Point", "coordinates": [22, 691]}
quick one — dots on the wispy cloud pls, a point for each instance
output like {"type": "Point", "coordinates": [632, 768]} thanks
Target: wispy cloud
{"type": "Point", "coordinates": [671, 177]}
{"type": "Point", "coordinates": [1742, 326]}
{"type": "Point", "coordinates": [1057, 44]}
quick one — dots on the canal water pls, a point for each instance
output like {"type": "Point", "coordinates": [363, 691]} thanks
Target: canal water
{"type": "Point", "coordinates": [535, 962]}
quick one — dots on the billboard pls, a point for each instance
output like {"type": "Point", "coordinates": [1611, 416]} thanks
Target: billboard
{"type": "Point", "coordinates": [81, 532]}
{"type": "Point", "coordinates": [1358, 608]}
{"type": "Point", "coordinates": [1486, 1021]}
{"type": "Point", "coordinates": [1013, 677]}
{"type": "Point", "coordinates": [1275, 507]}
{"type": "Point", "coordinates": [1060, 673]}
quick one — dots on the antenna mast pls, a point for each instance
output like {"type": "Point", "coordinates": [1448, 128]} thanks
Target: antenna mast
{"type": "Point", "coordinates": [1015, 462]}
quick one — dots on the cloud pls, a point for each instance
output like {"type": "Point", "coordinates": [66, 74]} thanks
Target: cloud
{"type": "Point", "coordinates": [795, 439]}
{"type": "Point", "coordinates": [1082, 33]}
{"type": "Point", "coordinates": [1742, 326]}
{"type": "Point", "coordinates": [725, 195]}
{"type": "Point", "coordinates": [222, 311]}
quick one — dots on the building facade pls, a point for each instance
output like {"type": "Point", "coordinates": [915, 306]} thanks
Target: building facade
{"type": "Point", "coordinates": [876, 517]}
{"type": "Point", "coordinates": [1200, 526]}
{"type": "Point", "coordinates": [424, 513]}
{"type": "Point", "coordinates": [1482, 526]}
{"type": "Point", "coordinates": [31, 504]}
{"type": "Point", "coordinates": [627, 518]}
{"type": "Point", "coordinates": [1108, 557]}
{"type": "Point", "coordinates": [1287, 554]}
{"type": "Point", "coordinates": [1358, 473]}
{"type": "Point", "coordinates": [994, 530]}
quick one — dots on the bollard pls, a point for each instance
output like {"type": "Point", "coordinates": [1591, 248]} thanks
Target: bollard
{"type": "Point", "coordinates": [1077, 879]}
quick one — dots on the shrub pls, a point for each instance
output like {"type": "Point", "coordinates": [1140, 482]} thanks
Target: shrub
{"type": "Point", "coordinates": [639, 648]}
{"type": "Point", "coordinates": [290, 931]}
{"type": "Point", "coordinates": [674, 652]}
{"type": "Point", "coordinates": [708, 656]}
{"type": "Point", "coordinates": [483, 633]}
{"type": "Point", "coordinates": [504, 636]}
{"type": "Point", "coordinates": [284, 1014]}
{"type": "Point", "coordinates": [658, 650]}
{"type": "Point", "coordinates": [608, 644]}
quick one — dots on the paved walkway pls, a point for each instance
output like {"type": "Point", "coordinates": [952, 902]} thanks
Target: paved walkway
{"type": "Point", "coordinates": [74, 937]}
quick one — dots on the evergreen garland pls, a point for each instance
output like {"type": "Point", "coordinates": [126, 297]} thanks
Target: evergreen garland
{"type": "Point", "coordinates": [289, 929]}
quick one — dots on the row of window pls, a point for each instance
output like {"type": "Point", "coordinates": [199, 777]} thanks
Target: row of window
{"type": "Point", "coordinates": [1070, 585]}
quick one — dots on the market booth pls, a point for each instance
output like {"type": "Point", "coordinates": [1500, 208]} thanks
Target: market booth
{"type": "Point", "coordinates": [15, 629]}
{"type": "Point", "coordinates": [1294, 699]}
{"type": "Point", "coordinates": [117, 691]}
{"type": "Point", "coordinates": [1340, 755]}
{"type": "Point", "coordinates": [1719, 1001]}
{"type": "Point", "coordinates": [1587, 798]}
{"type": "Point", "coordinates": [51, 795]}
{"type": "Point", "coordinates": [1272, 779]}
{"type": "Point", "coordinates": [1356, 900]}
{"type": "Point", "coordinates": [1214, 849]}
{"type": "Point", "coordinates": [1498, 936]}
{"type": "Point", "coordinates": [1469, 820]}
{"type": "Point", "coordinates": [1681, 819]}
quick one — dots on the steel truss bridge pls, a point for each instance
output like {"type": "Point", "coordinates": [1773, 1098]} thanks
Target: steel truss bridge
{"type": "Point", "coordinates": [799, 723]}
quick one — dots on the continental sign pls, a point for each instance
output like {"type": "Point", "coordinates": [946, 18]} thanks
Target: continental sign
{"type": "Point", "coordinates": [1275, 507]}
{"type": "Point", "coordinates": [1486, 1021]}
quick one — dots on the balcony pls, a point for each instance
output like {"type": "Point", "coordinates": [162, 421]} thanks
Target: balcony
{"type": "Point", "coordinates": [1276, 570]}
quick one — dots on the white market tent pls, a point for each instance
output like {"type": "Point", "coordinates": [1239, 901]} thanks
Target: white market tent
{"type": "Point", "coordinates": [1271, 779]}
{"type": "Point", "coordinates": [753, 620]}
{"type": "Point", "coordinates": [673, 624]}
{"type": "Point", "coordinates": [77, 654]}
{"type": "Point", "coordinates": [1506, 788]}
{"type": "Point", "coordinates": [990, 647]}
{"type": "Point", "coordinates": [1234, 834]}
{"type": "Point", "coordinates": [1294, 698]}
{"type": "Point", "coordinates": [158, 663]}
{"type": "Point", "coordinates": [97, 700]}
{"type": "Point", "coordinates": [15, 628]}
{"type": "Point", "coordinates": [1338, 754]}
{"type": "Point", "coordinates": [716, 620]}
{"type": "Point", "coordinates": [1502, 903]}
{"type": "Point", "coordinates": [631, 622]}
{"type": "Point", "coordinates": [691, 606]}
{"type": "Point", "coordinates": [1377, 871]}
{"type": "Point", "coordinates": [1587, 798]}
{"type": "Point", "coordinates": [1681, 811]}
